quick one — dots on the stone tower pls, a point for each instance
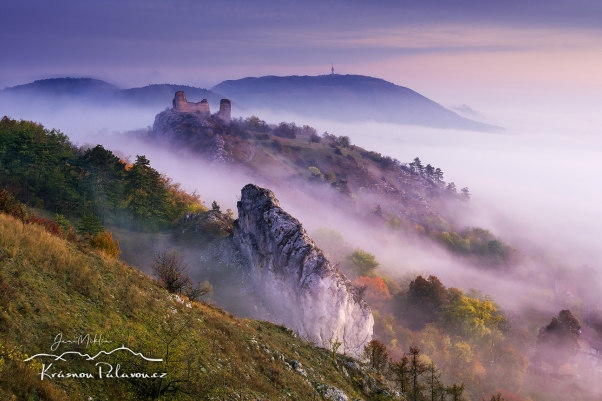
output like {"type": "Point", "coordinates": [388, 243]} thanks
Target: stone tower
{"type": "Point", "coordinates": [225, 111]}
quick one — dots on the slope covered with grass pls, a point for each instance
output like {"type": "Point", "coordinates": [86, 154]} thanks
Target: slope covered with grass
{"type": "Point", "coordinates": [51, 286]}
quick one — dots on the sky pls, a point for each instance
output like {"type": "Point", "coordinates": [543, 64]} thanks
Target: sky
{"type": "Point", "coordinates": [453, 51]}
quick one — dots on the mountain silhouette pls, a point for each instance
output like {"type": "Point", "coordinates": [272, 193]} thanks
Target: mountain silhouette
{"type": "Point", "coordinates": [345, 98]}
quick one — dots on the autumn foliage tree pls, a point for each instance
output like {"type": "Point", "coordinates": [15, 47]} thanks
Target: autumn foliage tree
{"type": "Point", "coordinates": [557, 342]}
{"type": "Point", "coordinates": [374, 290]}
{"type": "Point", "coordinates": [425, 297]}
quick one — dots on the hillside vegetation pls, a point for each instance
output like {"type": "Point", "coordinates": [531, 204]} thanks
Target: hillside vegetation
{"type": "Point", "coordinates": [44, 169]}
{"type": "Point", "coordinates": [51, 286]}
{"type": "Point", "coordinates": [58, 279]}
{"type": "Point", "coordinates": [410, 197]}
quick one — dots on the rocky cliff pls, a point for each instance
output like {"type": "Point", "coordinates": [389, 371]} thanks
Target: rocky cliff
{"type": "Point", "coordinates": [294, 278]}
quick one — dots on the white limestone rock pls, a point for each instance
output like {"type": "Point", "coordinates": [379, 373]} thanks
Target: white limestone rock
{"type": "Point", "coordinates": [293, 277]}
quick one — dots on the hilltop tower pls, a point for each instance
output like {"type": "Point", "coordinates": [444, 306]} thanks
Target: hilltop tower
{"type": "Point", "coordinates": [225, 110]}
{"type": "Point", "coordinates": [181, 104]}
{"type": "Point", "coordinates": [332, 69]}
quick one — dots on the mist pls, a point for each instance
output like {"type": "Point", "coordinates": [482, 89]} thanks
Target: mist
{"type": "Point", "coordinates": [532, 184]}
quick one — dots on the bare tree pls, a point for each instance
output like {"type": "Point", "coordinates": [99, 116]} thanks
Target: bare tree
{"type": "Point", "coordinates": [195, 293]}
{"type": "Point", "coordinates": [170, 269]}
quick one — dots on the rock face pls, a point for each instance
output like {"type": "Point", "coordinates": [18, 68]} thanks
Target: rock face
{"type": "Point", "coordinates": [294, 278]}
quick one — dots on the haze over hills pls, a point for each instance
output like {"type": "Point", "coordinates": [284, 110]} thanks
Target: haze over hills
{"type": "Point", "coordinates": [346, 98]}
{"type": "Point", "coordinates": [98, 91]}
{"type": "Point", "coordinates": [332, 97]}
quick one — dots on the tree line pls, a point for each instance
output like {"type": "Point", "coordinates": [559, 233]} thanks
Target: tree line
{"type": "Point", "coordinates": [44, 169]}
{"type": "Point", "coordinates": [435, 175]}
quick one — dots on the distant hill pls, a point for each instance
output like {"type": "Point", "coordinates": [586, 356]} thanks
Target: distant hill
{"type": "Point", "coordinates": [64, 87]}
{"type": "Point", "coordinates": [97, 91]}
{"type": "Point", "coordinates": [347, 98]}
{"type": "Point", "coordinates": [162, 95]}
{"type": "Point", "coordinates": [335, 97]}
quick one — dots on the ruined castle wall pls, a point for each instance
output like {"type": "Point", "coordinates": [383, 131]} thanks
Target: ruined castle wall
{"type": "Point", "coordinates": [181, 104]}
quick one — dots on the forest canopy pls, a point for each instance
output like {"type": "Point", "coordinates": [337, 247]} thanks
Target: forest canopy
{"type": "Point", "coordinates": [44, 169]}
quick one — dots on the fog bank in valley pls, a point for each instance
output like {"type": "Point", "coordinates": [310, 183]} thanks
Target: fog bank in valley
{"type": "Point", "coordinates": [533, 185]}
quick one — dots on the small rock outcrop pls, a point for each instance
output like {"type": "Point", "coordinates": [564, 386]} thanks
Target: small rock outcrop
{"type": "Point", "coordinates": [293, 277]}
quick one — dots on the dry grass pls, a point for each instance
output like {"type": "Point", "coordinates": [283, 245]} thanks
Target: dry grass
{"type": "Point", "coordinates": [60, 288]}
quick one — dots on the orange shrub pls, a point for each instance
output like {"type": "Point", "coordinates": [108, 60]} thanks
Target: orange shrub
{"type": "Point", "coordinates": [105, 242]}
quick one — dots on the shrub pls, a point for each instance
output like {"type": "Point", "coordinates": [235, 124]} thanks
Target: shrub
{"type": "Point", "coordinates": [49, 225]}
{"type": "Point", "coordinates": [254, 123]}
{"type": "Point", "coordinates": [344, 141]}
{"type": "Point", "coordinates": [170, 269]}
{"type": "Point", "coordinates": [9, 205]}
{"type": "Point", "coordinates": [195, 293]}
{"type": "Point", "coordinates": [330, 177]}
{"type": "Point", "coordinates": [315, 172]}
{"type": "Point", "coordinates": [104, 241]}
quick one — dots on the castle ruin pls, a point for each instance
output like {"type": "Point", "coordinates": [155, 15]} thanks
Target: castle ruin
{"type": "Point", "coordinates": [181, 104]}
{"type": "Point", "coordinates": [225, 110]}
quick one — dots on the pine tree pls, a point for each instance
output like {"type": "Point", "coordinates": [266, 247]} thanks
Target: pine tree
{"type": "Point", "coordinates": [90, 224]}
{"type": "Point", "coordinates": [417, 370]}
{"type": "Point", "coordinates": [401, 374]}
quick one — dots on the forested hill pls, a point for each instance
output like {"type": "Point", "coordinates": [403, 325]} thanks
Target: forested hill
{"type": "Point", "coordinates": [97, 92]}
{"type": "Point", "coordinates": [331, 97]}
{"type": "Point", "coordinates": [43, 169]}
{"type": "Point", "coordinates": [345, 98]}
{"type": "Point", "coordinates": [457, 344]}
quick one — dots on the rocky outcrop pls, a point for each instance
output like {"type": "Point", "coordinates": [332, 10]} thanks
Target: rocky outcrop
{"type": "Point", "coordinates": [191, 126]}
{"type": "Point", "coordinates": [293, 277]}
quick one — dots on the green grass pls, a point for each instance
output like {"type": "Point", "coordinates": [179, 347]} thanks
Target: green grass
{"type": "Point", "coordinates": [54, 286]}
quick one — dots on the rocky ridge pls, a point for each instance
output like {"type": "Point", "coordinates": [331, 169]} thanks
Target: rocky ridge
{"type": "Point", "coordinates": [201, 133]}
{"type": "Point", "coordinates": [293, 277]}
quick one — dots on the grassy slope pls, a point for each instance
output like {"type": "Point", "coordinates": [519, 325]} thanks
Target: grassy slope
{"type": "Point", "coordinates": [51, 286]}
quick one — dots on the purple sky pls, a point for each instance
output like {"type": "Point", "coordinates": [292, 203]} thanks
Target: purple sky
{"type": "Point", "coordinates": [435, 46]}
